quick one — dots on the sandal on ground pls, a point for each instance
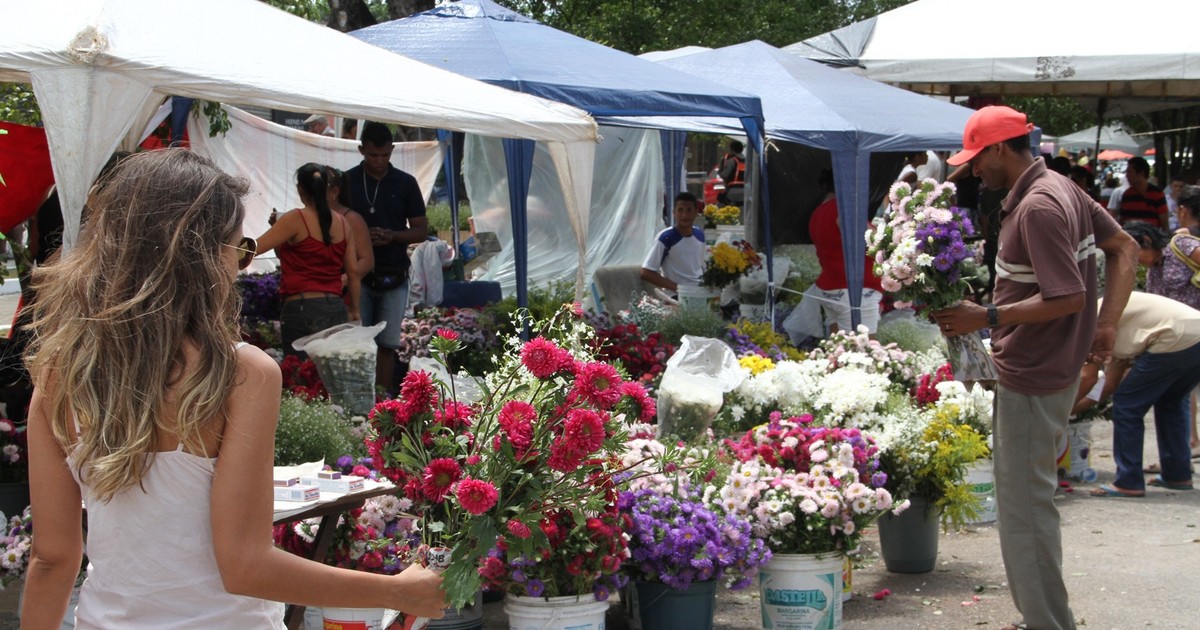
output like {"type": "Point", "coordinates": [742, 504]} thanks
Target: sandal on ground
{"type": "Point", "coordinates": [1113, 491]}
{"type": "Point", "coordinates": [1196, 452]}
{"type": "Point", "coordinates": [1155, 469]}
{"type": "Point", "coordinates": [1158, 482]}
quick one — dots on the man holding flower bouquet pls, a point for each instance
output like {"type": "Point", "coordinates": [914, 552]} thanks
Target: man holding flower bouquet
{"type": "Point", "coordinates": [1044, 326]}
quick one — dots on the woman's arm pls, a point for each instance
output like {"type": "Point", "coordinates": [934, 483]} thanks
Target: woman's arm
{"type": "Point", "coordinates": [242, 499]}
{"type": "Point", "coordinates": [353, 275]}
{"type": "Point", "coordinates": [284, 230]}
{"type": "Point", "coordinates": [58, 547]}
{"type": "Point", "coordinates": [362, 242]}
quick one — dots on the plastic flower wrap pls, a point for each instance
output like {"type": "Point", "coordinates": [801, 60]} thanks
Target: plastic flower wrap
{"type": "Point", "coordinates": [543, 442]}
{"type": "Point", "coordinates": [723, 215]}
{"type": "Point", "coordinates": [727, 262]}
{"type": "Point", "coordinates": [919, 246]}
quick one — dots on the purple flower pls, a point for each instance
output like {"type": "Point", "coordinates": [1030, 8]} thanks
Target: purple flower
{"type": "Point", "coordinates": [879, 479]}
{"type": "Point", "coordinates": [534, 588]}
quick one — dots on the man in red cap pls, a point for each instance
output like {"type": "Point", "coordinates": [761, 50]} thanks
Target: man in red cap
{"type": "Point", "coordinates": [1044, 325]}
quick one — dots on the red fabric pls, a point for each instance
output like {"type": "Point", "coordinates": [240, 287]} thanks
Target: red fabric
{"type": "Point", "coordinates": [25, 167]}
{"type": "Point", "coordinates": [827, 237]}
{"type": "Point", "coordinates": [311, 265]}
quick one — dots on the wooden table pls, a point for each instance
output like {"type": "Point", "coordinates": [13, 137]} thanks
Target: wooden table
{"type": "Point", "coordinates": [329, 512]}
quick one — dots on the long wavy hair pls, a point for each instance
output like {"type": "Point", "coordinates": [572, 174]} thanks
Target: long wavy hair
{"type": "Point", "coordinates": [113, 316]}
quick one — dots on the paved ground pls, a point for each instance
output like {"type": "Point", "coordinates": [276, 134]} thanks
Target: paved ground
{"type": "Point", "coordinates": [1130, 563]}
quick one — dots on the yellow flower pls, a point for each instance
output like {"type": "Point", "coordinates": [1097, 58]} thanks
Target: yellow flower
{"type": "Point", "coordinates": [756, 364]}
{"type": "Point", "coordinates": [724, 215]}
{"type": "Point", "coordinates": [728, 258]}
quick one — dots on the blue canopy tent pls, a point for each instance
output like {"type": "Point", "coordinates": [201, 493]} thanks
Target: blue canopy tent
{"type": "Point", "coordinates": [852, 117]}
{"type": "Point", "coordinates": [485, 41]}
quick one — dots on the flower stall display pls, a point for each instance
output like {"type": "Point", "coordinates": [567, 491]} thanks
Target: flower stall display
{"type": "Point", "coordinates": [723, 215]}
{"type": "Point", "coordinates": [475, 332]}
{"type": "Point", "coordinates": [643, 355]}
{"type": "Point", "coordinates": [14, 467]}
{"type": "Point", "coordinates": [345, 356]}
{"type": "Point", "coordinates": [844, 348]}
{"type": "Point", "coordinates": [727, 262]}
{"type": "Point", "coordinates": [377, 538]}
{"type": "Point", "coordinates": [526, 471]}
{"type": "Point", "coordinates": [15, 547]}
{"type": "Point", "coordinates": [921, 258]}
{"type": "Point", "coordinates": [681, 550]}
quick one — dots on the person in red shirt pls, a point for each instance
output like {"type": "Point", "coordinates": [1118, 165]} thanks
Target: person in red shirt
{"type": "Point", "coordinates": [1142, 201]}
{"type": "Point", "coordinates": [826, 233]}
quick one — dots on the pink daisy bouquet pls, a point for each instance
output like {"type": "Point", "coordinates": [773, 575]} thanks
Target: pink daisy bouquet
{"type": "Point", "coordinates": [805, 489]}
{"type": "Point", "coordinates": [547, 436]}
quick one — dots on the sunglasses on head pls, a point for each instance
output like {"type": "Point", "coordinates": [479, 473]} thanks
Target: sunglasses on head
{"type": "Point", "coordinates": [248, 247]}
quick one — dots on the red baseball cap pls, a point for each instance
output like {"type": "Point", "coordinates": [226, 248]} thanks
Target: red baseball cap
{"type": "Point", "coordinates": [987, 126]}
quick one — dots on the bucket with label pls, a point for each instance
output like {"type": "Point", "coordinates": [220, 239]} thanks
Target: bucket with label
{"type": "Point", "coordinates": [1075, 456]}
{"type": "Point", "coordinates": [981, 479]}
{"type": "Point", "coordinates": [697, 298]}
{"type": "Point", "coordinates": [801, 592]}
{"type": "Point", "coordinates": [353, 618]}
{"type": "Point", "coordinates": [581, 612]}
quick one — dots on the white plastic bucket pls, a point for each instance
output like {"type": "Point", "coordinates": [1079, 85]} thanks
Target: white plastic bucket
{"type": "Point", "coordinates": [353, 618]}
{"type": "Point", "coordinates": [801, 592]}
{"type": "Point", "coordinates": [555, 613]}
{"type": "Point", "coordinates": [695, 297]}
{"type": "Point", "coordinates": [1075, 458]}
{"type": "Point", "coordinates": [981, 479]}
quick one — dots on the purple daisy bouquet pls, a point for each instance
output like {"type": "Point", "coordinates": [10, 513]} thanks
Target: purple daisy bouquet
{"type": "Point", "coordinates": [919, 247]}
{"type": "Point", "coordinates": [922, 259]}
{"type": "Point", "coordinates": [677, 539]}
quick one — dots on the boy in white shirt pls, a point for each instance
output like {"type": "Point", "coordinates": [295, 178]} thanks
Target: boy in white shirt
{"type": "Point", "coordinates": [677, 256]}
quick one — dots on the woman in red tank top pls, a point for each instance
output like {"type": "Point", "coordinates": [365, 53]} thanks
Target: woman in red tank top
{"type": "Point", "coordinates": [315, 247]}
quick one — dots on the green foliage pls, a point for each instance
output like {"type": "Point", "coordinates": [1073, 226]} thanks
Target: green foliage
{"type": "Point", "coordinates": [218, 118]}
{"type": "Point", "coordinates": [638, 27]}
{"type": "Point", "coordinates": [689, 321]}
{"type": "Point", "coordinates": [544, 302]}
{"type": "Point", "coordinates": [18, 104]}
{"type": "Point", "coordinates": [311, 10]}
{"type": "Point", "coordinates": [309, 431]}
{"type": "Point", "coordinates": [438, 215]}
{"type": "Point", "coordinates": [1056, 115]}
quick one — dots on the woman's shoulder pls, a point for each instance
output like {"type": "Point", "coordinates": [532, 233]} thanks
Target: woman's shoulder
{"type": "Point", "coordinates": [253, 361]}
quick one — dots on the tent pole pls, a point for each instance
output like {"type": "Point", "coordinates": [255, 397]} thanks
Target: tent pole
{"type": "Point", "coordinates": [1101, 106]}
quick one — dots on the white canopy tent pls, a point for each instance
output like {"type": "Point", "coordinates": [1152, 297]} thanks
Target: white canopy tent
{"type": "Point", "coordinates": [1023, 47]}
{"type": "Point", "coordinates": [100, 68]}
{"type": "Point", "coordinates": [1111, 137]}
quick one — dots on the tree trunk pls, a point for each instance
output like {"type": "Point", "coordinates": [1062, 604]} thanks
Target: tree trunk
{"type": "Point", "coordinates": [404, 8]}
{"type": "Point", "coordinates": [349, 15]}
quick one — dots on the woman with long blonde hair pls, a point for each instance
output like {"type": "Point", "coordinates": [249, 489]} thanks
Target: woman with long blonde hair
{"type": "Point", "coordinates": [147, 410]}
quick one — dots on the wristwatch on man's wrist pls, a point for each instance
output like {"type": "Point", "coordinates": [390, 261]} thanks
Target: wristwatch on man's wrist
{"type": "Point", "coordinates": [993, 315]}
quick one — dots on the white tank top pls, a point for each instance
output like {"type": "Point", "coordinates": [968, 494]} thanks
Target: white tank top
{"type": "Point", "coordinates": [151, 559]}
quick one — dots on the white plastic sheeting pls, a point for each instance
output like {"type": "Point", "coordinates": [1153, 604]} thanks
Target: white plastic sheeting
{"type": "Point", "coordinates": [620, 222]}
{"type": "Point", "coordinates": [100, 67]}
{"type": "Point", "coordinates": [268, 155]}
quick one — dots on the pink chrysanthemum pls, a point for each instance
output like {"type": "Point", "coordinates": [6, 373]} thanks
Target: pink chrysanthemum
{"type": "Point", "coordinates": [646, 407]}
{"type": "Point", "coordinates": [388, 412]}
{"type": "Point", "coordinates": [598, 383]}
{"type": "Point", "coordinates": [518, 529]}
{"type": "Point", "coordinates": [583, 431]}
{"type": "Point", "coordinates": [476, 496]}
{"type": "Point", "coordinates": [455, 415]}
{"type": "Point", "coordinates": [439, 477]}
{"type": "Point", "coordinates": [446, 333]}
{"type": "Point", "coordinates": [543, 358]}
{"type": "Point", "coordinates": [418, 392]}
{"type": "Point", "coordinates": [564, 459]}
{"type": "Point", "coordinates": [516, 420]}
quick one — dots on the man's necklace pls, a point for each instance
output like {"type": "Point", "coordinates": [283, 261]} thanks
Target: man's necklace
{"type": "Point", "coordinates": [371, 199]}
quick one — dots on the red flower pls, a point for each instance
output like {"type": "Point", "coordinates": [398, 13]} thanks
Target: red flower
{"type": "Point", "coordinates": [516, 420]}
{"type": "Point", "coordinates": [647, 409]}
{"type": "Point", "coordinates": [439, 476]}
{"type": "Point", "coordinates": [390, 411]}
{"type": "Point", "coordinates": [476, 496]}
{"type": "Point", "coordinates": [583, 431]}
{"type": "Point", "coordinates": [518, 529]}
{"type": "Point", "coordinates": [543, 358]}
{"type": "Point", "coordinates": [418, 391]}
{"type": "Point", "coordinates": [446, 333]}
{"type": "Point", "coordinates": [455, 415]}
{"type": "Point", "coordinates": [598, 383]}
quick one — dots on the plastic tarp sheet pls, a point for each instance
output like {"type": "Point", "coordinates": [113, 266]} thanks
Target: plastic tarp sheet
{"type": "Point", "coordinates": [1111, 137]}
{"type": "Point", "coordinates": [99, 67]}
{"type": "Point", "coordinates": [622, 218]}
{"type": "Point", "coordinates": [810, 104]}
{"type": "Point", "coordinates": [268, 155]}
{"type": "Point", "coordinates": [1065, 47]}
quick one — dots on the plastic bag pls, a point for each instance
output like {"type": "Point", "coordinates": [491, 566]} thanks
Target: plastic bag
{"type": "Point", "coordinates": [805, 320]}
{"type": "Point", "coordinates": [345, 356]}
{"type": "Point", "coordinates": [693, 386]}
{"type": "Point", "coordinates": [465, 388]}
